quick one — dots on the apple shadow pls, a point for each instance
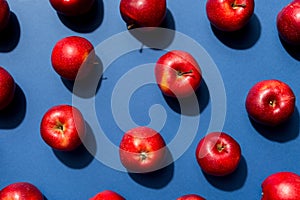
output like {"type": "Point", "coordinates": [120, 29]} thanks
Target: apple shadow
{"type": "Point", "coordinates": [86, 23]}
{"type": "Point", "coordinates": [285, 132]}
{"type": "Point", "coordinates": [231, 182]}
{"type": "Point", "coordinates": [10, 36]}
{"type": "Point", "coordinates": [82, 156]}
{"type": "Point", "coordinates": [85, 87]}
{"type": "Point", "coordinates": [241, 39]}
{"type": "Point", "coordinates": [157, 179]}
{"type": "Point", "coordinates": [292, 50]}
{"type": "Point", "coordinates": [156, 39]}
{"type": "Point", "coordinates": [186, 106]}
{"type": "Point", "coordinates": [13, 115]}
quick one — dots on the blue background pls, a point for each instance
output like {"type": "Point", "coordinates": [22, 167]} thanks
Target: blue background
{"type": "Point", "coordinates": [254, 54]}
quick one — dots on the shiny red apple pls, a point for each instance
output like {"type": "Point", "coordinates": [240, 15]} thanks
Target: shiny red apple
{"type": "Point", "coordinates": [7, 88]}
{"type": "Point", "coordinates": [218, 154]}
{"type": "Point", "coordinates": [62, 127]}
{"type": "Point", "coordinates": [72, 7]}
{"type": "Point", "coordinates": [288, 23]}
{"type": "Point", "coordinates": [178, 74]}
{"type": "Point", "coordinates": [281, 186]}
{"type": "Point", "coordinates": [190, 197]}
{"type": "Point", "coordinates": [229, 15]}
{"type": "Point", "coordinates": [107, 195]}
{"type": "Point", "coordinates": [142, 150]}
{"type": "Point", "coordinates": [270, 102]}
{"type": "Point", "coordinates": [72, 56]}
{"type": "Point", "coordinates": [21, 191]}
{"type": "Point", "coordinates": [4, 14]}
{"type": "Point", "coordinates": [143, 13]}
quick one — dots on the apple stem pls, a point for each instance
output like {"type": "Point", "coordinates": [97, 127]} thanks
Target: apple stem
{"type": "Point", "coordinates": [272, 103]}
{"type": "Point", "coordinates": [234, 5]}
{"type": "Point", "coordinates": [130, 26]}
{"type": "Point", "coordinates": [183, 73]}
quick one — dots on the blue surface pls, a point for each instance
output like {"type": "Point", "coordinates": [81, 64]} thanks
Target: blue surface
{"type": "Point", "coordinates": [244, 59]}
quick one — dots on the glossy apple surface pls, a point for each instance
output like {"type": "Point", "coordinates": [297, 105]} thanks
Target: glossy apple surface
{"type": "Point", "coordinates": [142, 150]}
{"type": "Point", "coordinates": [4, 14]}
{"type": "Point", "coordinates": [107, 195]}
{"type": "Point", "coordinates": [71, 56]}
{"type": "Point", "coordinates": [190, 197]}
{"type": "Point", "coordinates": [218, 154]}
{"type": "Point", "coordinates": [62, 127]}
{"type": "Point", "coordinates": [7, 88]}
{"type": "Point", "coordinates": [143, 13]}
{"type": "Point", "coordinates": [281, 186]}
{"type": "Point", "coordinates": [229, 15]}
{"type": "Point", "coordinates": [21, 191]}
{"type": "Point", "coordinates": [177, 74]}
{"type": "Point", "coordinates": [288, 23]}
{"type": "Point", "coordinates": [72, 7]}
{"type": "Point", "coordinates": [270, 102]}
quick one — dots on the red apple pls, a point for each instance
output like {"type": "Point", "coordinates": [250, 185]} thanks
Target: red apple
{"type": "Point", "coordinates": [62, 127]}
{"type": "Point", "coordinates": [21, 191]}
{"type": "Point", "coordinates": [142, 150]}
{"type": "Point", "coordinates": [270, 102]}
{"type": "Point", "coordinates": [190, 197]}
{"type": "Point", "coordinates": [72, 54]}
{"type": "Point", "coordinates": [218, 154]}
{"type": "Point", "coordinates": [107, 195]}
{"type": "Point", "coordinates": [7, 88]}
{"type": "Point", "coordinates": [281, 186]}
{"type": "Point", "coordinates": [229, 15]}
{"type": "Point", "coordinates": [288, 23]}
{"type": "Point", "coordinates": [177, 74]}
{"type": "Point", "coordinates": [72, 7]}
{"type": "Point", "coordinates": [143, 13]}
{"type": "Point", "coordinates": [4, 14]}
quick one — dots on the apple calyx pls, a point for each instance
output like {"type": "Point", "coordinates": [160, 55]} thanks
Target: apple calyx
{"type": "Point", "coordinates": [59, 126]}
{"type": "Point", "coordinates": [272, 103]}
{"type": "Point", "coordinates": [180, 73]}
{"type": "Point", "coordinates": [221, 147]}
{"type": "Point", "coordinates": [143, 155]}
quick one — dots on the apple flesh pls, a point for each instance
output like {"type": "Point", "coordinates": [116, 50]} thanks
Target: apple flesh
{"type": "Point", "coordinates": [21, 191]}
{"type": "Point", "coordinates": [73, 57]}
{"type": "Point", "coordinates": [177, 74]}
{"type": "Point", "coordinates": [7, 88]}
{"type": "Point", "coordinates": [4, 14]}
{"type": "Point", "coordinates": [107, 195]}
{"type": "Point", "coordinates": [270, 102]}
{"type": "Point", "coordinates": [288, 23]}
{"type": "Point", "coordinates": [229, 15]}
{"type": "Point", "coordinates": [281, 186]}
{"type": "Point", "coordinates": [143, 13]}
{"type": "Point", "coordinates": [62, 127]}
{"type": "Point", "coordinates": [218, 154]}
{"type": "Point", "coordinates": [191, 197]}
{"type": "Point", "coordinates": [72, 7]}
{"type": "Point", "coordinates": [142, 150]}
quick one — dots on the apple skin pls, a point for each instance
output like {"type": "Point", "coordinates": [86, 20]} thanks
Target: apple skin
{"type": "Point", "coordinates": [177, 74]}
{"type": "Point", "coordinates": [4, 14]}
{"type": "Point", "coordinates": [190, 197]}
{"type": "Point", "coordinates": [229, 15]}
{"type": "Point", "coordinates": [288, 23]}
{"type": "Point", "coordinates": [107, 195]}
{"type": "Point", "coordinates": [218, 154]}
{"type": "Point", "coordinates": [270, 102]}
{"type": "Point", "coordinates": [71, 55]}
{"type": "Point", "coordinates": [72, 7]}
{"type": "Point", "coordinates": [142, 150]}
{"type": "Point", "coordinates": [62, 127]}
{"type": "Point", "coordinates": [21, 191]}
{"type": "Point", "coordinates": [143, 13]}
{"type": "Point", "coordinates": [7, 88]}
{"type": "Point", "coordinates": [281, 186]}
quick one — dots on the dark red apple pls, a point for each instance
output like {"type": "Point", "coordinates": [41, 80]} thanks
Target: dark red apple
{"type": "Point", "coordinates": [288, 23]}
{"type": "Point", "coordinates": [229, 15]}
{"type": "Point", "coordinates": [4, 14]}
{"type": "Point", "coordinates": [270, 102]}
{"type": "Point", "coordinates": [218, 154]}
{"type": "Point", "coordinates": [21, 191]}
{"type": "Point", "coordinates": [281, 186]}
{"type": "Point", "coordinates": [7, 88]}
{"type": "Point", "coordinates": [107, 195]}
{"type": "Point", "coordinates": [142, 150]}
{"type": "Point", "coordinates": [72, 56]}
{"type": "Point", "coordinates": [62, 127]}
{"type": "Point", "coordinates": [72, 7]}
{"type": "Point", "coordinates": [190, 197]}
{"type": "Point", "coordinates": [177, 74]}
{"type": "Point", "coordinates": [143, 13]}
